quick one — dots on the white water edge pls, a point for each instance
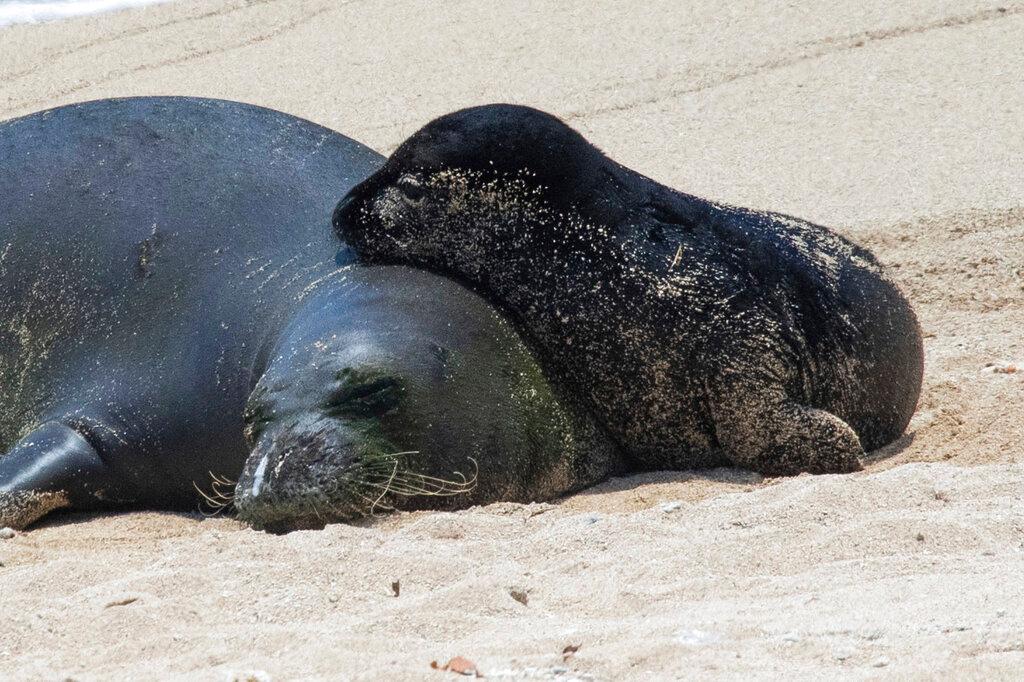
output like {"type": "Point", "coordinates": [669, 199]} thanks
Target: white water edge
{"type": "Point", "coordinates": [24, 12]}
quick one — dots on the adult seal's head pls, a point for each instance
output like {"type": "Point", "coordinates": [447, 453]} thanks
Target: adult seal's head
{"type": "Point", "coordinates": [698, 333]}
{"type": "Point", "coordinates": [392, 388]}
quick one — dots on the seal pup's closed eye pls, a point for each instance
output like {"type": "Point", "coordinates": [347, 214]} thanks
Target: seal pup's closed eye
{"type": "Point", "coordinates": [697, 333]}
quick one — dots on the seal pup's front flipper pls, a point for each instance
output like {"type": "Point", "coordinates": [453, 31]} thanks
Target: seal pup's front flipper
{"type": "Point", "coordinates": [762, 428]}
{"type": "Point", "coordinates": [53, 467]}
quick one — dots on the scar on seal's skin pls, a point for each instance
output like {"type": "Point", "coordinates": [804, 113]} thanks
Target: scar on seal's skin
{"type": "Point", "coordinates": [147, 254]}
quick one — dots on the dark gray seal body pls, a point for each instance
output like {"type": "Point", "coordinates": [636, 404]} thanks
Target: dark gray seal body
{"type": "Point", "coordinates": [164, 258]}
{"type": "Point", "coordinates": [698, 334]}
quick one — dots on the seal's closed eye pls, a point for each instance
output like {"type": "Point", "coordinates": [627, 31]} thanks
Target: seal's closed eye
{"type": "Point", "coordinates": [412, 188]}
{"type": "Point", "coordinates": [363, 394]}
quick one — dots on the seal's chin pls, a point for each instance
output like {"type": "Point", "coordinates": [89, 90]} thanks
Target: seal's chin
{"type": "Point", "coordinates": [344, 218]}
{"type": "Point", "coordinates": [300, 476]}
{"type": "Point", "coordinates": [348, 221]}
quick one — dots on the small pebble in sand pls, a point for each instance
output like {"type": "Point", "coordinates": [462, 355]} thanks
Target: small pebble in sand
{"type": "Point", "coordinates": [920, 537]}
{"type": "Point", "coordinates": [1001, 368]}
{"type": "Point", "coordinates": [520, 595]}
{"type": "Point", "coordinates": [670, 507]}
{"type": "Point", "coordinates": [791, 637]}
{"type": "Point", "coordinates": [460, 666]}
{"type": "Point", "coordinates": [7, 533]}
{"type": "Point", "coordinates": [880, 662]}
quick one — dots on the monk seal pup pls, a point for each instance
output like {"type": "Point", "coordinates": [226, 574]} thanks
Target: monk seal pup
{"type": "Point", "coordinates": [173, 307]}
{"type": "Point", "coordinates": [698, 334]}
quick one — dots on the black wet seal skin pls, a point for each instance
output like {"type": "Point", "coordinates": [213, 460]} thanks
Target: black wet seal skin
{"type": "Point", "coordinates": [696, 333]}
{"type": "Point", "coordinates": [345, 256]}
{"type": "Point", "coordinates": [257, 415]}
{"type": "Point", "coordinates": [169, 276]}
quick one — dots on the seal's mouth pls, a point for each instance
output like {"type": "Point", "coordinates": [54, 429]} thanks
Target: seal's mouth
{"type": "Point", "coordinates": [297, 476]}
{"type": "Point", "coordinates": [321, 471]}
{"type": "Point", "coordinates": [350, 216]}
{"type": "Point", "coordinates": [301, 478]}
{"type": "Point", "coordinates": [343, 214]}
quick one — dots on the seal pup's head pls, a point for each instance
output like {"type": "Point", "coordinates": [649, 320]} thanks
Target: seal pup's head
{"type": "Point", "coordinates": [477, 187]}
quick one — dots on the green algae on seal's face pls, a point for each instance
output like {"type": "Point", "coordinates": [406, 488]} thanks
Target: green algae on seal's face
{"type": "Point", "coordinates": [331, 459]}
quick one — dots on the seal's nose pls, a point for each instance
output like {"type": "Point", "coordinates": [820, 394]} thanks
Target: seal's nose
{"type": "Point", "coordinates": [342, 220]}
{"type": "Point", "coordinates": [296, 473]}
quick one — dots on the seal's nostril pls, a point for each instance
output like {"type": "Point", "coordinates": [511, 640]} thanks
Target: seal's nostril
{"type": "Point", "coordinates": [341, 219]}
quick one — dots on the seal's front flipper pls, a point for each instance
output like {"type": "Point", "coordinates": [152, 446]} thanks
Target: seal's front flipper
{"type": "Point", "coordinates": [762, 429]}
{"type": "Point", "coordinates": [51, 468]}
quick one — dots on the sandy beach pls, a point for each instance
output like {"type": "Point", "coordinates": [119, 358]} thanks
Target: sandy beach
{"type": "Point", "coordinates": [899, 125]}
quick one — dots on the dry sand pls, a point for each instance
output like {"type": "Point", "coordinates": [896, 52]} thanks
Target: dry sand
{"type": "Point", "coordinates": [897, 123]}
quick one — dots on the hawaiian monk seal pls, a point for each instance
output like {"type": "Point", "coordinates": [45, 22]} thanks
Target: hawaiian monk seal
{"type": "Point", "coordinates": [698, 334]}
{"type": "Point", "coordinates": [172, 306]}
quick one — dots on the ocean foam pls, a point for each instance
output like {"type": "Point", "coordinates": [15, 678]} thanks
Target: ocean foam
{"type": "Point", "coordinates": [22, 12]}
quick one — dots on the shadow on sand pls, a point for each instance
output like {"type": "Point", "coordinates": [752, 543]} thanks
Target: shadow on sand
{"type": "Point", "coordinates": [618, 484]}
